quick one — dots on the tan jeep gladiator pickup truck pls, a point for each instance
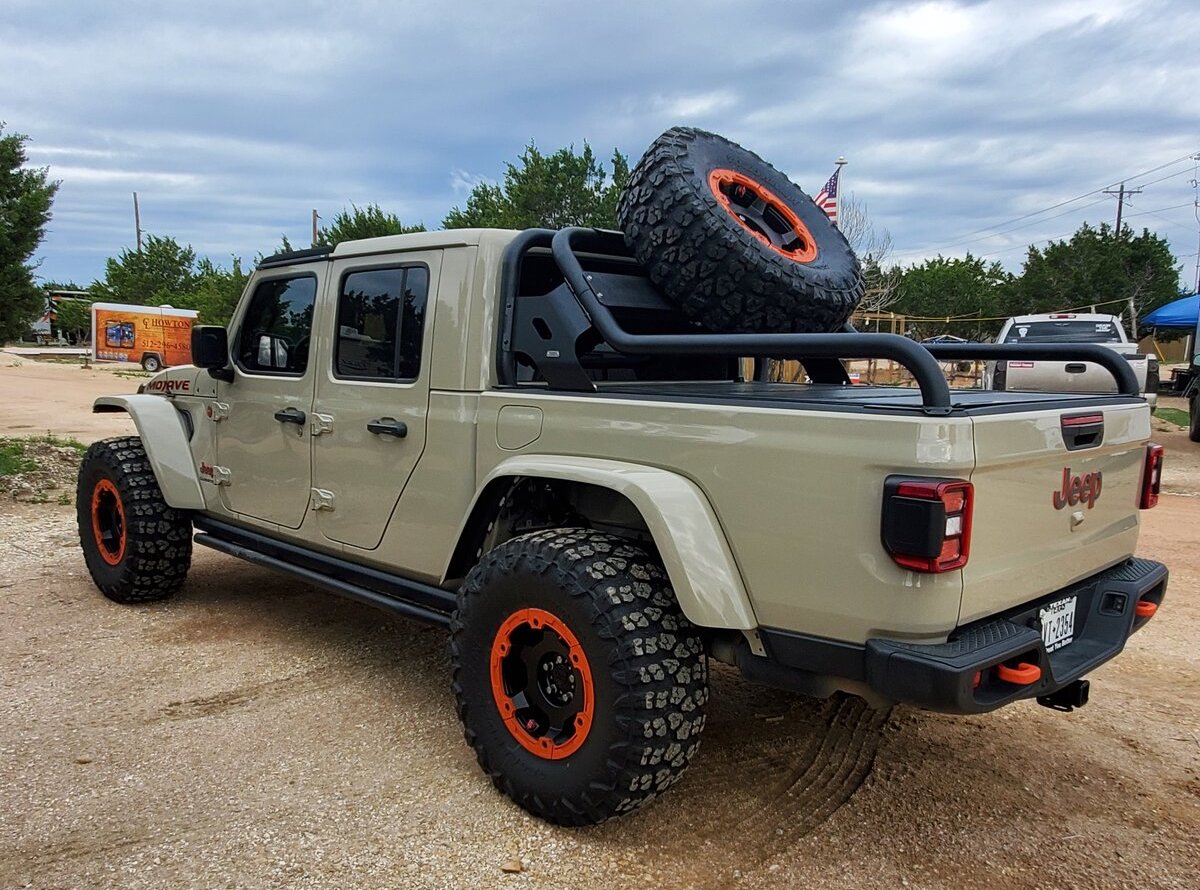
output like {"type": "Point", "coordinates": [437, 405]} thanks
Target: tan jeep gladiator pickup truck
{"type": "Point", "coordinates": [517, 435]}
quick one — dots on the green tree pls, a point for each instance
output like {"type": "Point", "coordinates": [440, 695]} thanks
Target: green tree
{"type": "Point", "coordinates": [217, 291]}
{"type": "Point", "coordinates": [940, 295]}
{"type": "Point", "coordinates": [371, 221]}
{"type": "Point", "coordinates": [551, 191]}
{"type": "Point", "coordinates": [61, 285]}
{"type": "Point", "coordinates": [363, 222]}
{"type": "Point", "coordinates": [1099, 268]}
{"type": "Point", "coordinates": [162, 272]}
{"type": "Point", "coordinates": [73, 318]}
{"type": "Point", "coordinates": [26, 195]}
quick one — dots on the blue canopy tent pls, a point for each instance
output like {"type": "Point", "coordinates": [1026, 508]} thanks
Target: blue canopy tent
{"type": "Point", "coordinates": [1180, 314]}
{"type": "Point", "coordinates": [1177, 314]}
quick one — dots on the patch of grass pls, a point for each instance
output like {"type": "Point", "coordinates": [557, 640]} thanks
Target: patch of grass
{"type": "Point", "coordinates": [57, 441]}
{"type": "Point", "coordinates": [13, 459]}
{"type": "Point", "coordinates": [133, 374]}
{"type": "Point", "coordinates": [50, 439]}
{"type": "Point", "coordinates": [37, 468]}
{"type": "Point", "coordinates": [1172, 415]}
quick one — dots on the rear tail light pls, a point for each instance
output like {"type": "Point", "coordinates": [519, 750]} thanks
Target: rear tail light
{"type": "Point", "coordinates": [1152, 375]}
{"type": "Point", "coordinates": [1151, 476]}
{"type": "Point", "coordinates": [1000, 376]}
{"type": "Point", "coordinates": [927, 522]}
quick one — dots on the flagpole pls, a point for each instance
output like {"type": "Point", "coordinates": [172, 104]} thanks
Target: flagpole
{"type": "Point", "coordinates": [841, 163]}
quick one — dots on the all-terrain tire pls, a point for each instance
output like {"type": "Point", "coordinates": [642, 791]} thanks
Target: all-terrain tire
{"type": "Point", "coordinates": [635, 657]}
{"type": "Point", "coordinates": [1194, 418]}
{"type": "Point", "coordinates": [680, 214]}
{"type": "Point", "coordinates": [137, 548]}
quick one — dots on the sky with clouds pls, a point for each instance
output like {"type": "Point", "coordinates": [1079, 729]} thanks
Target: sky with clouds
{"type": "Point", "coordinates": [963, 122]}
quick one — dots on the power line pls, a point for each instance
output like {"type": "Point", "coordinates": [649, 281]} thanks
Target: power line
{"type": "Point", "coordinates": [1160, 209]}
{"type": "Point", "coordinates": [1165, 178]}
{"type": "Point", "coordinates": [1007, 231]}
{"type": "Point", "coordinates": [1001, 225]}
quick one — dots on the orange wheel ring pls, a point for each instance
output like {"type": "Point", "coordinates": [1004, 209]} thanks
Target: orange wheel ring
{"type": "Point", "coordinates": [763, 215]}
{"type": "Point", "coordinates": [542, 683]}
{"type": "Point", "coordinates": [108, 522]}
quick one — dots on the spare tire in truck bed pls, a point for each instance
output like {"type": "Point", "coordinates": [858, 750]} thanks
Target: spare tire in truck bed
{"type": "Point", "coordinates": [733, 241]}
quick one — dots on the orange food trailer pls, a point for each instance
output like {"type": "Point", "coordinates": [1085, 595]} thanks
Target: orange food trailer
{"type": "Point", "coordinates": [154, 337]}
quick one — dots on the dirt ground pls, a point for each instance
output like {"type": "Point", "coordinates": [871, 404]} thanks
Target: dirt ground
{"type": "Point", "coordinates": [254, 732]}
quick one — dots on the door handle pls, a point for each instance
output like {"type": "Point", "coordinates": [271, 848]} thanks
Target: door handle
{"type": "Point", "coordinates": [385, 426]}
{"type": "Point", "coordinates": [1076, 368]}
{"type": "Point", "coordinates": [290, 415]}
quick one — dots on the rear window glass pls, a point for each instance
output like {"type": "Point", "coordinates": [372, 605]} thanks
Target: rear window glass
{"type": "Point", "coordinates": [1065, 331]}
{"type": "Point", "coordinates": [381, 316]}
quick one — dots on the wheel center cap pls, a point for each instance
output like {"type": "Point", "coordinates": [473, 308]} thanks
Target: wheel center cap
{"type": "Point", "coordinates": [556, 679]}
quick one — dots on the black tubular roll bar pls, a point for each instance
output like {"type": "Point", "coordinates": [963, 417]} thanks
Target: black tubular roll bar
{"type": "Point", "coordinates": [920, 360]}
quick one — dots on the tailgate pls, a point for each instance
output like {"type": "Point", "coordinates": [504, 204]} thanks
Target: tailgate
{"type": "Point", "coordinates": [1028, 540]}
{"type": "Point", "coordinates": [1045, 376]}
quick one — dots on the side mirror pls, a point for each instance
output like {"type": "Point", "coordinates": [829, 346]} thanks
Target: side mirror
{"type": "Point", "coordinates": [210, 349]}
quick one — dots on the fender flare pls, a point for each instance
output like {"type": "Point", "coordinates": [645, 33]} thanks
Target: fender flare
{"type": "Point", "coordinates": [165, 439]}
{"type": "Point", "coordinates": [686, 531]}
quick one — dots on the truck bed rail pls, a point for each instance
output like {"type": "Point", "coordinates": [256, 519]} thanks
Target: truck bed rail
{"type": "Point", "coordinates": [919, 360]}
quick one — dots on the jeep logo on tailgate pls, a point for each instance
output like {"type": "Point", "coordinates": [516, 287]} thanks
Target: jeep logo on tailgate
{"type": "Point", "coordinates": [1077, 489]}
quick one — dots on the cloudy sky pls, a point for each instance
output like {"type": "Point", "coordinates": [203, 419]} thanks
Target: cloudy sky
{"type": "Point", "coordinates": [967, 125]}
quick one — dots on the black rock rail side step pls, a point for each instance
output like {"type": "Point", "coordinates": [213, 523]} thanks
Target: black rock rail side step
{"type": "Point", "coordinates": [392, 593]}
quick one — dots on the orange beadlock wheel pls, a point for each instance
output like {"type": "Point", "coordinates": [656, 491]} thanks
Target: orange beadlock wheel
{"type": "Point", "coordinates": [763, 215]}
{"type": "Point", "coordinates": [542, 683]}
{"type": "Point", "coordinates": [108, 522]}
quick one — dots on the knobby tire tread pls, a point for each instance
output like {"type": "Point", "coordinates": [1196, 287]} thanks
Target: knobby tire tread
{"type": "Point", "coordinates": [656, 659]}
{"type": "Point", "coordinates": [717, 273]}
{"type": "Point", "coordinates": [158, 550]}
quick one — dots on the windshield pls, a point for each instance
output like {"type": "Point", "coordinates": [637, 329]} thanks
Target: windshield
{"type": "Point", "coordinates": [1064, 332]}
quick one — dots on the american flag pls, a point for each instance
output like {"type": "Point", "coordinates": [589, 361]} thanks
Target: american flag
{"type": "Point", "coordinates": [826, 198]}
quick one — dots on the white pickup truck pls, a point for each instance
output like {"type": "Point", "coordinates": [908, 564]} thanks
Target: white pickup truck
{"type": "Point", "coordinates": [1069, 376]}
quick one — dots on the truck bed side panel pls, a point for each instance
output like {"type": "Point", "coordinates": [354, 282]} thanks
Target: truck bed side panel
{"type": "Point", "coordinates": [798, 493]}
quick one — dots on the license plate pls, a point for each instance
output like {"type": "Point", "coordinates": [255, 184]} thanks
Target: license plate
{"type": "Point", "coordinates": [1058, 623]}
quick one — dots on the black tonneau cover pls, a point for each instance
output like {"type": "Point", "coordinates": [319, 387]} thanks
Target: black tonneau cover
{"type": "Point", "coordinates": [886, 399]}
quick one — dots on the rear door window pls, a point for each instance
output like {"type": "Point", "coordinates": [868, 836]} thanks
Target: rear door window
{"type": "Point", "coordinates": [381, 322]}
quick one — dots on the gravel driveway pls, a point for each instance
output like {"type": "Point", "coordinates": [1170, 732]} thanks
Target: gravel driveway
{"type": "Point", "coordinates": [254, 732]}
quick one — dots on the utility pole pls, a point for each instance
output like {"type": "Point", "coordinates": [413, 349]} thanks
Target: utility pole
{"type": "Point", "coordinates": [1121, 193]}
{"type": "Point", "coordinates": [314, 227]}
{"type": "Point", "coordinates": [137, 222]}
{"type": "Point", "coordinates": [1196, 207]}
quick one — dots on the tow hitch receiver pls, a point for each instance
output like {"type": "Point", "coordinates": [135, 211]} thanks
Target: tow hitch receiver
{"type": "Point", "coordinates": [1073, 695]}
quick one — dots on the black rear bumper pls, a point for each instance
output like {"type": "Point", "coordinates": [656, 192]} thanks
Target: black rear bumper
{"type": "Point", "coordinates": [963, 675]}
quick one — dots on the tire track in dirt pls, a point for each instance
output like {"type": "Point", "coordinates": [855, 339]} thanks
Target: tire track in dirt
{"type": "Point", "coordinates": [755, 790]}
{"type": "Point", "coordinates": [239, 696]}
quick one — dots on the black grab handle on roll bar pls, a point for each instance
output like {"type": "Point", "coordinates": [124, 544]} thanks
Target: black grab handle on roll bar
{"type": "Point", "coordinates": [917, 359]}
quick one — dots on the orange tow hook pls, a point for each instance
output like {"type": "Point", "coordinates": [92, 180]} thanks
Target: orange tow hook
{"type": "Point", "coordinates": [1024, 674]}
{"type": "Point", "coordinates": [1145, 609]}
